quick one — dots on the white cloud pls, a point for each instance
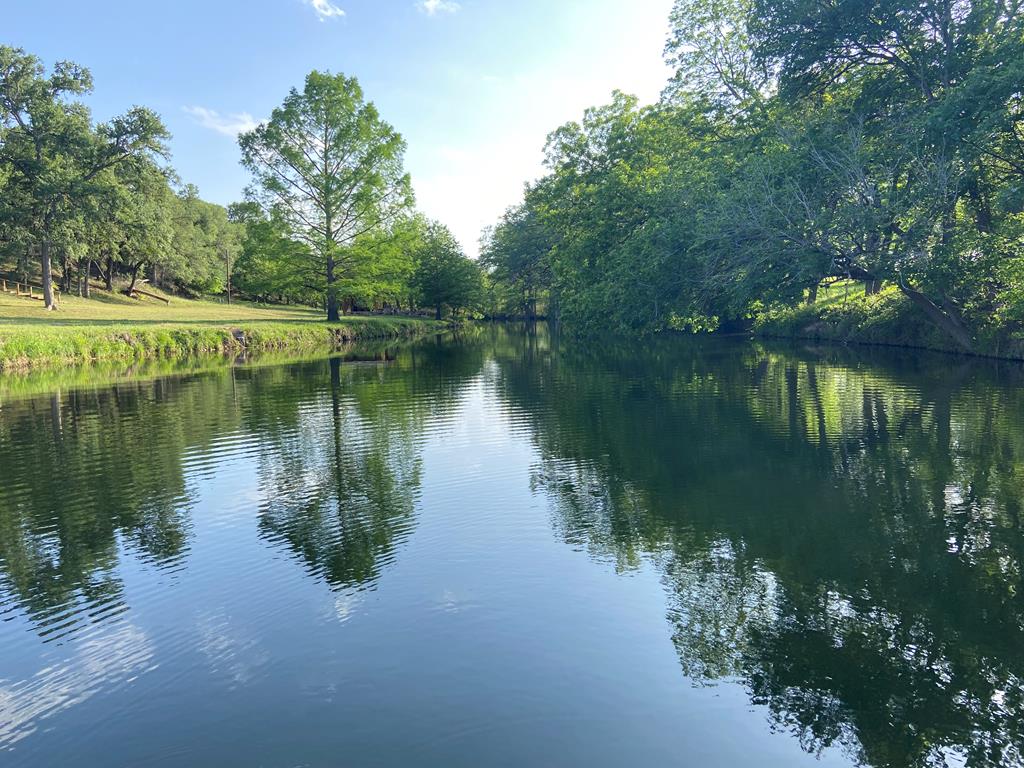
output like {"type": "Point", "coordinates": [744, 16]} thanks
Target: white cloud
{"type": "Point", "coordinates": [231, 651]}
{"type": "Point", "coordinates": [326, 10]}
{"type": "Point", "coordinates": [230, 124]}
{"type": "Point", "coordinates": [434, 7]}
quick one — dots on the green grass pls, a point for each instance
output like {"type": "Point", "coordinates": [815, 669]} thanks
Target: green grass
{"type": "Point", "coordinates": [115, 308]}
{"type": "Point", "coordinates": [847, 315]}
{"type": "Point", "coordinates": [112, 328]}
{"type": "Point", "coordinates": [839, 293]}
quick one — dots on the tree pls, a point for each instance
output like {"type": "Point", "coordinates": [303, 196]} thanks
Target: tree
{"type": "Point", "coordinates": [329, 167]}
{"type": "Point", "coordinates": [145, 216]}
{"type": "Point", "coordinates": [54, 153]}
{"type": "Point", "coordinates": [517, 254]}
{"type": "Point", "coordinates": [204, 244]}
{"type": "Point", "coordinates": [385, 264]}
{"type": "Point", "coordinates": [444, 276]}
{"type": "Point", "coordinates": [710, 48]}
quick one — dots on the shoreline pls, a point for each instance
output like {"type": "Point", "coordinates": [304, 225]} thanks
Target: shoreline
{"type": "Point", "coordinates": [878, 344]}
{"type": "Point", "coordinates": [883, 320]}
{"type": "Point", "coordinates": [32, 348]}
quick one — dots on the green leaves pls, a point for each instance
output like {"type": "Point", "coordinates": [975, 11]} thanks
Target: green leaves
{"type": "Point", "coordinates": [444, 276]}
{"type": "Point", "coordinates": [55, 156]}
{"type": "Point", "coordinates": [328, 167]}
{"type": "Point", "coordinates": [798, 142]}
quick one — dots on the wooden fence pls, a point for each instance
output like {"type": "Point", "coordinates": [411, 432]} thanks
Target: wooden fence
{"type": "Point", "coordinates": [26, 289]}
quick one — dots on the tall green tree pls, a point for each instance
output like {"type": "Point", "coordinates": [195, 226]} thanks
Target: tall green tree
{"type": "Point", "coordinates": [52, 149]}
{"type": "Point", "coordinates": [330, 167]}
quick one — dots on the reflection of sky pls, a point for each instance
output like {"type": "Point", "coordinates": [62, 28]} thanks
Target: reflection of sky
{"type": "Point", "coordinates": [485, 629]}
{"type": "Point", "coordinates": [161, 625]}
{"type": "Point", "coordinates": [93, 662]}
{"type": "Point", "coordinates": [231, 651]}
{"type": "Point", "coordinates": [345, 605]}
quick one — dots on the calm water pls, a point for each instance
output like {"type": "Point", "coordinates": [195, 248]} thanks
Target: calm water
{"type": "Point", "coordinates": [505, 551]}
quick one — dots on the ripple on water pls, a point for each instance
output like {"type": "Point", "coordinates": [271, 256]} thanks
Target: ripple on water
{"type": "Point", "coordinates": [501, 524]}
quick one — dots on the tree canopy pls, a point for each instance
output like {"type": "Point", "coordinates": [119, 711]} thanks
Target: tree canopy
{"type": "Point", "coordinates": [54, 154]}
{"type": "Point", "coordinates": [797, 144]}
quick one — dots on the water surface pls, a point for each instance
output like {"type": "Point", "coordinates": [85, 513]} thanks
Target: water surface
{"type": "Point", "coordinates": [504, 550]}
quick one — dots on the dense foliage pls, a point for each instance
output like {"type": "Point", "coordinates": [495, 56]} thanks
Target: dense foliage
{"type": "Point", "coordinates": [797, 144]}
{"type": "Point", "coordinates": [443, 276]}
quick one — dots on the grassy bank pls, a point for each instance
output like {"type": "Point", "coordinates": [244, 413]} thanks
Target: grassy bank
{"type": "Point", "coordinates": [117, 329]}
{"type": "Point", "coordinates": [844, 314]}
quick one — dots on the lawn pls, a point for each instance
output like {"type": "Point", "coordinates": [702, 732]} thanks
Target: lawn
{"type": "Point", "coordinates": [839, 292]}
{"type": "Point", "coordinates": [110, 308]}
{"type": "Point", "coordinates": [116, 328]}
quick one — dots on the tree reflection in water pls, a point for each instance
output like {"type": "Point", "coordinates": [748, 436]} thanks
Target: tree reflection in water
{"type": "Point", "coordinates": [843, 540]}
{"type": "Point", "coordinates": [340, 486]}
{"type": "Point", "coordinates": [84, 473]}
{"type": "Point", "coordinates": [839, 533]}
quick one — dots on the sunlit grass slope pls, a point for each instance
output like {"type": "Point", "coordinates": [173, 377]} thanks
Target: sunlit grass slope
{"type": "Point", "coordinates": [116, 328]}
{"type": "Point", "coordinates": [844, 313]}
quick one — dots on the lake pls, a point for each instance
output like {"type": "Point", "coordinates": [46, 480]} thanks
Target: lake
{"type": "Point", "coordinates": [504, 548]}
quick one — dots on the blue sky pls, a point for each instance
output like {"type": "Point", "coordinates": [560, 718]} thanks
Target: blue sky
{"type": "Point", "coordinates": [474, 85]}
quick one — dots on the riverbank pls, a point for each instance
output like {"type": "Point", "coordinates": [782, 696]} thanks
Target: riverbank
{"type": "Point", "coordinates": [113, 329]}
{"type": "Point", "coordinates": [885, 319]}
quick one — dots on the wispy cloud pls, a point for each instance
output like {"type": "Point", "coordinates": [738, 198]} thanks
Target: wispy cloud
{"type": "Point", "coordinates": [325, 9]}
{"type": "Point", "coordinates": [434, 7]}
{"type": "Point", "coordinates": [230, 124]}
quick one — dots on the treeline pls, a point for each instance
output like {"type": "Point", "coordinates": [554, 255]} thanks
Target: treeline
{"type": "Point", "coordinates": [329, 221]}
{"type": "Point", "coordinates": [797, 144]}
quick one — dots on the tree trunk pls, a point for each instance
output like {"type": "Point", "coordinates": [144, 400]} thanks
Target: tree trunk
{"type": "Point", "coordinates": [872, 287]}
{"type": "Point", "coordinates": [332, 293]}
{"type": "Point", "coordinates": [56, 416]}
{"type": "Point", "coordinates": [532, 311]}
{"type": "Point", "coordinates": [438, 313]}
{"type": "Point", "coordinates": [65, 274]}
{"type": "Point", "coordinates": [47, 272]}
{"type": "Point", "coordinates": [109, 277]}
{"type": "Point", "coordinates": [812, 294]}
{"type": "Point", "coordinates": [982, 208]}
{"type": "Point", "coordinates": [88, 274]}
{"type": "Point", "coordinates": [135, 276]}
{"type": "Point", "coordinates": [948, 321]}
